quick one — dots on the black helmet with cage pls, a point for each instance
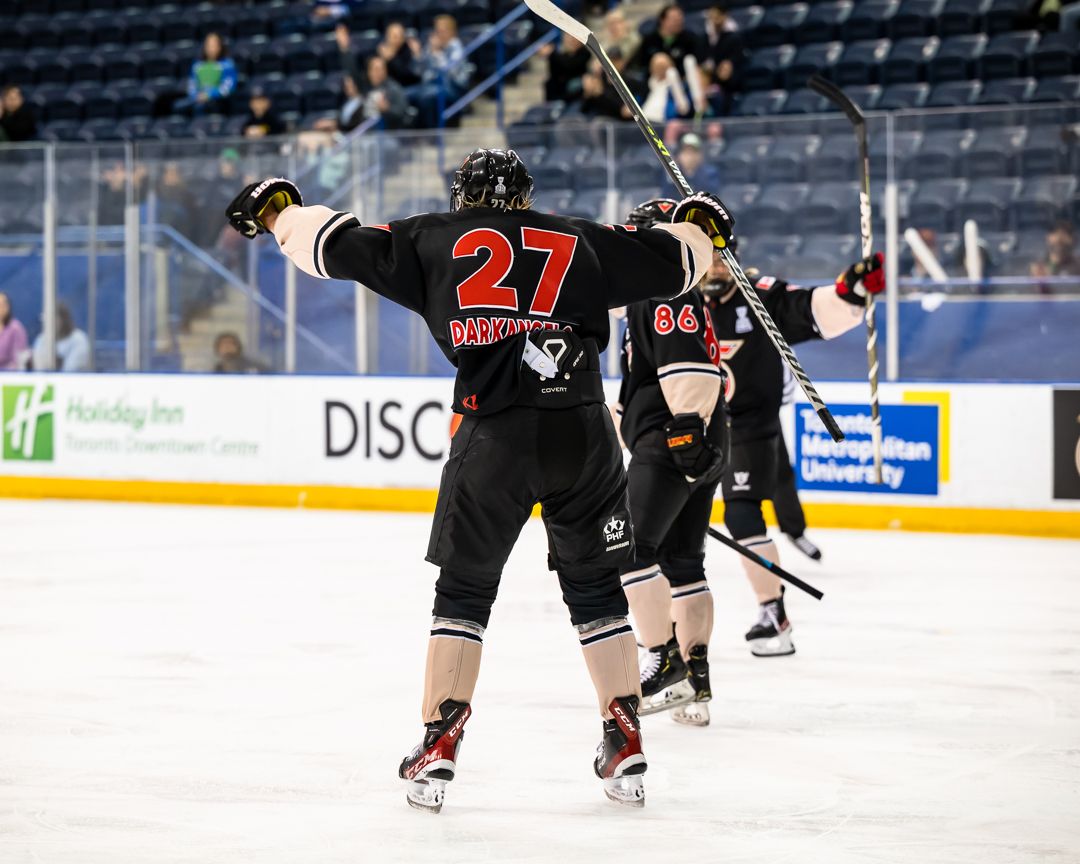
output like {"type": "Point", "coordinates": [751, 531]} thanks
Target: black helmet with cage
{"type": "Point", "coordinates": [492, 178]}
{"type": "Point", "coordinates": [648, 213]}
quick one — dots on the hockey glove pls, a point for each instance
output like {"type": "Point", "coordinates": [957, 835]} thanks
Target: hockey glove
{"type": "Point", "coordinates": [693, 455]}
{"type": "Point", "coordinates": [709, 213]}
{"type": "Point", "coordinates": [862, 278]}
{"type": "Point", "coordinates": [246, 208]}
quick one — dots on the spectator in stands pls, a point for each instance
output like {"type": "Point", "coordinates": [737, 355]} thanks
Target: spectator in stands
{"type": "Point", "coordinates": [384, 98]}
{"type": "Point", "coordinates": [176, 201]}
{"type": "Point", "coordinates": [599, 98]}
{"type": "Point", "coordinates": [231, 358]}
{"type": "Point", "coordinates": [13, 341]}
{"type": "Point", "coordinates": [722, 38]}
{"type": "Point", "coordinates": [1061, 258]}
{"type": "Point", "coordinates": [670, 37]}
{"type": "Point", "coordinates": [699, 173]}
{"type": "Point", "coordinates": [113, 191]}
{"type": "Point", "coordinates": [400, 54]}
{"type": "Point", "coordinates": [442, 67]}
{"type": "Point", "coordinates": [666, 96]}
{"type": "Point", "coordinates": [72, 345]}
{"type": "Point", "coordinates": [262, 119]}
{"type": "Point", "coordinates": [212, 78]}
{"type": "Point", "coordinates": [619, 35]}
{"type": "Point", "coordinates": [566, 66]}
{"type": "Point", "coordinates": [17, 121]}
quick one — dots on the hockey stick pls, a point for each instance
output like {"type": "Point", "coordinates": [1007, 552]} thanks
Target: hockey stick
{"type": "Point", "coordinates": [835, 95]}
{"type": "Point", "coordinates": [766, 563]}
{"type": "Point", "coordinates": [555, 16]}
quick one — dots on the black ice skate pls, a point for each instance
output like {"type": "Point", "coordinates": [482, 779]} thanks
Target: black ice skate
{"type": "Point", "coordinates": [806, 546]}
{"type": "Point", "coordinates": [620, 761]}
{"type": "Point", "coordinates": [696, 713]}
{"type": "Point", "coordinates": [663, 679]}
{"type": "Point", "coordinates": [432, 763]}
{"type": "Point", "coordinates": [771, 635]}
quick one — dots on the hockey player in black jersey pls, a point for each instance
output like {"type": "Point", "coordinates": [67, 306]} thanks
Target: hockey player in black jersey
{"type": "Point", "coordinates": [754, 391]}
{"type": "Point", "coordinates": [518, 301]}
{"type": "Point", "coordinates": [672, 419]}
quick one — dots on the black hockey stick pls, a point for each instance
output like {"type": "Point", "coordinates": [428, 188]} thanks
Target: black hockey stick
{"type": "Point", "coordinates": [835, 95]}
{"type": "Point", "coordinates": [554, 15]}
{"type": "Point", "coordinates": [766, 563]}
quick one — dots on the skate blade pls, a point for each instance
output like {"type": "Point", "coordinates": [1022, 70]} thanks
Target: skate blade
{"type": "Point", "coordinates": [693, 714]}
{"type": "Point", "coordinates": [426, 795]}
{"type": "Point", "coordinates": [676, 694]}
{"type": "Point", "coordinates": [628, 790]}
{"type": "Point", "coordinates": [774, 646]}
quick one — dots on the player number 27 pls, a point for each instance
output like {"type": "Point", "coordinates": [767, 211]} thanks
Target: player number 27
{"type": "Point", "coordinates": [484, 287]}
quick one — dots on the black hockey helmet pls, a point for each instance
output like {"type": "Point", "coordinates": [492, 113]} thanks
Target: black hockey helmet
{"type": "Point", "coordinates": [648, 213]}
{"type": "Point", "coordinates": [492, 178]}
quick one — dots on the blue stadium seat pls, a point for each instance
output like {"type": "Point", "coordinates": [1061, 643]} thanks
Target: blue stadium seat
{"type": "Point", "coordinates": [807, 101]}
{"type": "Point", "coordinates": [67, 107]}
{"type": "Point", "coordinates": [956, 58]}
{"type": "Point", "coordinates": [763, 103]}
{"type": "Point", "coordinates": [789, 157]}
{"type": "Point", "coordinates": [839, 249]}
{"type": "Point", "coordinates": [866, 97]}
{"type": "Point", "coordinates": [996, 153]}
{"type": "Point", "coordinates": [1057, 54]}
{"type": "Point", "coordinates": [915, 18]}
{"type": "Point", "coordinates": [591, 170]}
{"type": "Point", "coordinates": [766, 67]}
{"type": "Point", "coordinates": [746, 18]}
{"type": "Point", "coordinates": [906, 142]}
{"type": "Point", "coordinates": [764, 252]}
{"type": "Point", "coordinates": [939, 155]}
{"type": "Point", "coordinates": [898, 96]}
{"type": "Point", "coordinates": [1008, 55]}
{"type": "Point", "coordinates": [1064, 89]}
{"type": "Point", "coordinates": [1003, 15]}
{"type": "Point", "coordinates": [177, 25]}
{"type": "Point", "coordinates": [778, 24]}
{"type": "Point", "coordinates": [869, 20]}
{"type": "Point", "coordinates": [319, 95]}
{"type": "Point", "coordinates": [824, 22]}
{"type": "Point", "coordinates": [207, 126]}
{"type": "Point", "coordinates": [906, 63]}
{"type": "Point", "coordinates": [861, 62]}
{"type": "Point", "coordinates": [143, 29]}
{"type": "Point", "coordinates": [739, 196]}
{"type": "Point", "coordinates": [171, 127]}
{"type": "Point", "coordinates": [832, 208]}
{"type": "Point", "coordinates": [744, 156]}
{"type": "Point", "coordinates": [810, 60]}
{"type": "Point", "coordinates": [250, 26]}
{"type": "Point", "coordinates": [639, 172]}
{"type": "Point", "coordinates": [951, 94]}
{"type": "Point", "coordinates": [630, 198]}
{"type": "Point", "coordinates": [135, 128]}
{"type": "Point", "coordinates": [100, 129]}
{"type": "Point", "coordinates": [932, 204]}
{"type": "Point", "coordinates": [810, 267]}
{"type": "Point", "coordinates": [61, 130]}
{"type": "Point", "coordinates": [120, 65]}
{"type": "Point", "coordinates": [777, 209]}
{"type": "Point", "coordinates": [101, 106]}
{"type": "Point", "coordinates": [107, 29]}
{"type": "Point", "coordinates": [987, 202]}
{"type": "Point", "coordinates": [553, 200]}
{"type": "Point", "coordinates": [999, 93]}
{"type": "Point", "coordinates": [961, 16]}
{"type": "Point", "coordinates": [1043, 201]}
{"type": "Point", "coordinates": [1044, 152]}
{"type": "Point", "coordinates": [835, 160]}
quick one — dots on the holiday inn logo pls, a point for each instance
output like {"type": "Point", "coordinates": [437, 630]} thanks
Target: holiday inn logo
{"type": "Point", "coordinates": [28, 423]}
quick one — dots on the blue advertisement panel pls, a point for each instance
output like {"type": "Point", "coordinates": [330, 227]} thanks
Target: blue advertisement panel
{"type": "Point", "coordinates": [910, 445]}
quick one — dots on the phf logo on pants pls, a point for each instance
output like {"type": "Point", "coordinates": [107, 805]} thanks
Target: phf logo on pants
{"type": "Point", "coordinates": [28, 423]}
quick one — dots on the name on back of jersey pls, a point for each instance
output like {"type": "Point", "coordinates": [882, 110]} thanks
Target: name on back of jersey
{"type": "Point", "coordinates": [487, 329]}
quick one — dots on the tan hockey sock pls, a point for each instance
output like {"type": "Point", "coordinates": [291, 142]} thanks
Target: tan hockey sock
{"type": "Point", "coordinates": [766, 585]}
{"type": "Point", "coordinates": [453, 664]}
{"type": "Point", "coordinates": [611, 655]}
{"type": "Point", "coordinates": [692, 609]}
{"type": "Point", "coordinates": [649, 596]}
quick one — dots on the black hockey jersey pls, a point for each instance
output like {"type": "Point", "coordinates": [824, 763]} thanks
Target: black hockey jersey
{"type": "Point", "coordinates": [484, 278]}
{"type": "Point", "coordinates": [754, 370]}
{"type": "Point", "coordinates": [670, 359]}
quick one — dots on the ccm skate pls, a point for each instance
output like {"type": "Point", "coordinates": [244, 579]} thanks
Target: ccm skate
{"type": "Point", "coordinates": [432, 763]}
{"type": "Point", "coordinates": [620, 761]}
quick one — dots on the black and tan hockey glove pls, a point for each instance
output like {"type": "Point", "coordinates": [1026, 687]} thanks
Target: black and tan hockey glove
{"type": "Point", "coordinates": [247, 208]}
{"type": "Point", "coordinates": [862, 278]}
{"type": "Point", "coordinates": [694, 455]}
{"type": "Point", "coordinates": [709, 213]}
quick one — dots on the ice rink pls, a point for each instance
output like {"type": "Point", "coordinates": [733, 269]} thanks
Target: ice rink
{"type": "Point", "coordinates": [228, 685]}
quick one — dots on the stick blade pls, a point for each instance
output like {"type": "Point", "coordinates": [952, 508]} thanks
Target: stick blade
{"type": "Point", "coordinates": [837, 96]}
{"type": "Point", "coordinates": [554, 15]}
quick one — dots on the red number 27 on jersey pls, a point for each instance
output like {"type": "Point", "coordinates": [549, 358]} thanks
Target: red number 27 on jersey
{"type": "Point", "coordinates": [484, 287]}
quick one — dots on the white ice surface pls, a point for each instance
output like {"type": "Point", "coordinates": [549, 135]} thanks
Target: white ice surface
{"type": "Point", "coordinates": [181, 684]}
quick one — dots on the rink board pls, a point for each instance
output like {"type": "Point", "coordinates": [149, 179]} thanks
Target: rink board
{"type": "Point", "coordinates": [960, 457]}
